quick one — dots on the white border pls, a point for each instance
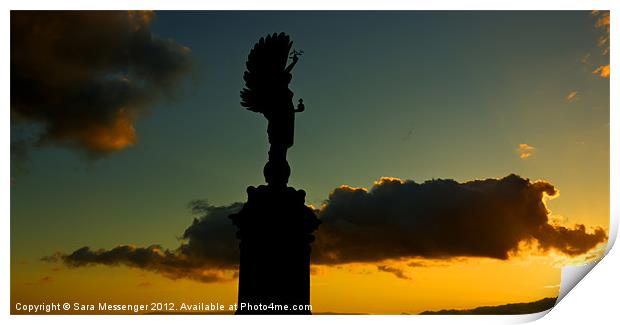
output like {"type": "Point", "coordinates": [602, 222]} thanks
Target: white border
{"type": "Point", "coordinates": [594, 301]}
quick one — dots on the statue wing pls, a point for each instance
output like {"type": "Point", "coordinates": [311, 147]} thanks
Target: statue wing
{"type": "Point", "coordinates": [265, 72]}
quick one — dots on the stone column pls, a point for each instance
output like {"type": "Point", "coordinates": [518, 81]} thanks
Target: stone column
{"type": "Point", "coordinates": [275, 233]}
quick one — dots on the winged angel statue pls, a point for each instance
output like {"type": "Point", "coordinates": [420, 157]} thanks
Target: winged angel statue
{"type": "Point", "coordinates": [266, 91]}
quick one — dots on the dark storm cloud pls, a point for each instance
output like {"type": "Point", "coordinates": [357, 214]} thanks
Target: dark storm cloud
{"type": "Point", "coordinates": [212, 236]}
{"type": "Point", "coordinates": [85, 77]}
{"type": "Point", "coordinates": [442, 218]}
{"type": "Point", "coordinates": [395, 219]}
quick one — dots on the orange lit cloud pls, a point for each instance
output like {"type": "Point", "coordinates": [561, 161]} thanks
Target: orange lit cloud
{"type": "Point", "coordinates": [603, 19]}
{"type": "Point", "coordinates": [525, 150]}
{"type": "Point", "coordinates": [602, 71]}
{"type": "Point", "coordinates": [602, 22]}
{"type": "Point", "coordinates": [115, 135]}
{"type": "Point", "coordinates": [83, 77]}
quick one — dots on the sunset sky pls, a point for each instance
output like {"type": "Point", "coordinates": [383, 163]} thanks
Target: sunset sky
{"type": "Point", "coordinates": [109, 149]}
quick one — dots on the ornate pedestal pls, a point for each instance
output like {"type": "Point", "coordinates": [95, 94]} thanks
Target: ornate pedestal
{"type": "Point", "coordinates": [275, 230]}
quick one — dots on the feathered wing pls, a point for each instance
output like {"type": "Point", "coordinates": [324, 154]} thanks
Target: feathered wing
{"type": "Point", "coordinates": [264, 73]}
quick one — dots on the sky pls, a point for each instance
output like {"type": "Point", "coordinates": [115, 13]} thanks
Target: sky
{"type": "Point", "coordinates": [415, 96]}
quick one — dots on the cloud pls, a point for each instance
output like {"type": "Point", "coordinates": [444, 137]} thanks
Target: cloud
{"type": "Point", "coordinates": [571, 97]}
{"type": "Point", "coordinates": [602, 70]}
{"type": "Point", "coordinates": [209, 252]}
{"type": "Point", "coordinates": [85, 77]}
{"type": "Point", "coordinates": [152, 258]}
{"type": "Point", "coordinates": [46, 280]}
{"type": "Point", "coordinates": [603, 19]}
{"type": "Point", "coordinates": [525, 150]}
{"type": "Point", "coordinates": [395, 219]}
{"type": "Point", "coordinates": [399, 219]}
{"type": "Point", "coordinates": [212, 236]}
{"type": "Point", "coordinates": [145, 284]}
{"type": "Point", "coordinates": [602, 22]}
{"type": "Point", "coordinates": [399, 273]}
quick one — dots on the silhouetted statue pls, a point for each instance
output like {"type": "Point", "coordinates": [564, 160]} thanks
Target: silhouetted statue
{"type": "Point", "coordinates": [275, 226]}
{"type": "Point", "coordinates": [266, 80]}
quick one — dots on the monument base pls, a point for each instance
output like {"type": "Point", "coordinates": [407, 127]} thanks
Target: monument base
{"type": "Point", "coordinates": [275, 232]}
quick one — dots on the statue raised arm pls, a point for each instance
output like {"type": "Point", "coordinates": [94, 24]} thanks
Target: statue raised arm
{"type": "Point", "coordinates": [295, 57]}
